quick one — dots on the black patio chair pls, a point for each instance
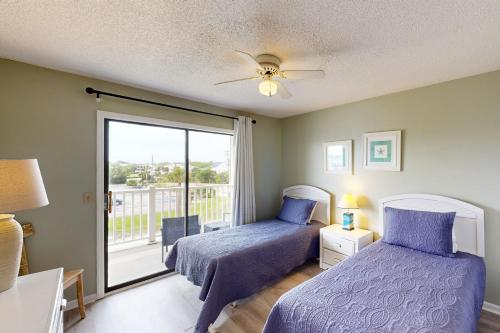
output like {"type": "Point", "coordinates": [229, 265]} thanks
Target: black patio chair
{"type": "Point", "coordinates": [172, 228]}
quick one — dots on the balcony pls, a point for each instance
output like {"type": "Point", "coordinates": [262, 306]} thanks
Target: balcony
{"type": "Point", "coordinates": [135, 222]}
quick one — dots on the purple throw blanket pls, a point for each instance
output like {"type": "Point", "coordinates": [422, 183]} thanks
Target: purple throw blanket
{"type": "Point", "coordinates": [386, 288]}
{"type": "Point", "coordinates": [235, 263]}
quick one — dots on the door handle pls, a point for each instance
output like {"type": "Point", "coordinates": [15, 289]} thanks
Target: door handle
{"type": "Point", "coordinates": [110, 202]}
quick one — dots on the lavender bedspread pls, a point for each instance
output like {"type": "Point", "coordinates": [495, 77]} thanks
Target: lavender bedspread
{"type": "Point", "coordinates": [386, 288]}
{"type": "Point", "coordinates": [235, 263]}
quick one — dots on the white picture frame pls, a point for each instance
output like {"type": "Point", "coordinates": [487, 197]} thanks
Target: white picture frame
{"type": "Point", "coordinates": [337, 157]}
{"type": "Point", "coordinates": [382, 151]}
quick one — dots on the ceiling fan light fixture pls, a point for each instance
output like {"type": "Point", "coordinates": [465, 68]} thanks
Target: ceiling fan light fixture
{"type": "Point", "coordinates": [267, 68]}
{"type": "Point", "coordinates": [268, 87]}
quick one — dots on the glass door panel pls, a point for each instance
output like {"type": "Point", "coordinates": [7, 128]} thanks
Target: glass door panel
{"type": "Point", "coordinates": [145, 167]}
{"type": "Point", "coordinates": [153, 176]}
{"type": "Point", "coordinates": [210, 191]}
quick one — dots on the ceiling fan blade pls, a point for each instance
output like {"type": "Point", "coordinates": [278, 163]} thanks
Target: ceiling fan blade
{"type": "Point", "coordinates": [282, 90]}
{"type": "Point", "coordinates": [238, 80]}
{"type": "Point", "coordinates": [249, 59]}
{"type": "Point", "coordinates": [302, 74]}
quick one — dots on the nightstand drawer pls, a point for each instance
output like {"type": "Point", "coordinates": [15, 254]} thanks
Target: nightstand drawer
{"type": "Point", "coordinates": [337, 244]}
{"type": "Point", "coordinates": [331, 257]}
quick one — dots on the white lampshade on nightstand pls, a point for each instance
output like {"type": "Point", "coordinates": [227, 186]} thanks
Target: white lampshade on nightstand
{"type": "Point", "coordinates": [21, 187]}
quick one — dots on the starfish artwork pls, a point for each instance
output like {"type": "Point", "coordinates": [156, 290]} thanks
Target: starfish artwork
{"type": "Point", "coordinates": [383, 151]}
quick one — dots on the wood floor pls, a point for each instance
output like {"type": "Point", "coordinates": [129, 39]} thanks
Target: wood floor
{"type": "Point", "coordinates": [171, 305]}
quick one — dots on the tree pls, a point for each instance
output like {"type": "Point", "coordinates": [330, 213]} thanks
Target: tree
{"type": "Point", "coordinates": [176, 176]}
{"type": "Point", "coordinates": [205, 176]}
{"type": "Point", "coordinates": [134, 181]}
{"type": "Point", "coordinates": [119, 171]}
{"type": "Point", "coordinates": [222, 178]}
{"type": "Point", "coordinates": [201, 165]}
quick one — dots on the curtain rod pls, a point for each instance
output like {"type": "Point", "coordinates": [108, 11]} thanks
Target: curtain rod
{"type": "Point", "coordinates": [91, 91]}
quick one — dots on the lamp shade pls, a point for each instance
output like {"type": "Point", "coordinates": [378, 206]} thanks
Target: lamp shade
{"type": "Point", "coordinates": [348, 202]}
{"type": "Point", "coordinates": [21, 186]}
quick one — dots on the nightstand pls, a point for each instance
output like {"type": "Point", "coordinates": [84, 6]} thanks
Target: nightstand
{"type": "Point", "coordinates": [336, 244]}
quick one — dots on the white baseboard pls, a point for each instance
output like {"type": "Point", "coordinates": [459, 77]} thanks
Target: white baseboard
{"type": "Point", "coordinates": [86, 300]}
{"type": "Point", "coordinates": [490, 307]}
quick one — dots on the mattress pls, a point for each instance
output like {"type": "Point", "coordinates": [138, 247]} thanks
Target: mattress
{"type": "Point", "coordinates": [386, 288]}
{"type": "Point", "coordinates": [235, 263]}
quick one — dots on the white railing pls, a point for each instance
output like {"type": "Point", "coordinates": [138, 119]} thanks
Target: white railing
{"type": "Point", "coordinates": [137, 213]}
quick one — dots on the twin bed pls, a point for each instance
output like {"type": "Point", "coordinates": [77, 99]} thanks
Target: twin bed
{"type": "Point", "coordinates": [383, 288]}
{"type": "Point", "coordinates": [235, 263]}
{"type": "Point", "coordinates": [389, 288]}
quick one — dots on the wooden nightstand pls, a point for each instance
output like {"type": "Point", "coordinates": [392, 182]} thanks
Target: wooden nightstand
{"type": "Point", "coordinates": [336, 244]}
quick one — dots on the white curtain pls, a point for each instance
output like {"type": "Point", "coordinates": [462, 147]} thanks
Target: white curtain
{"type": "Point", "coordinates": [244, 191]}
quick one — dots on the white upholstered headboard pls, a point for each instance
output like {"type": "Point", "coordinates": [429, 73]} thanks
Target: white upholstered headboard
{"type": "Point", "coordinates": [469, 219]}
{"type": "Point", "coordinates": [322, 211]}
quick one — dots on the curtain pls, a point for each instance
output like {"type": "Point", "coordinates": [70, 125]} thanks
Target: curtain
{"type": "Point", "coordinates": [243, 180]}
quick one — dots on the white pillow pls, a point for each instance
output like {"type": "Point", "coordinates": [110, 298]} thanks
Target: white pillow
{"type": "Point", "coordinates": [454, 240]}
{"type": "Point", "coordinates": [312, 213]}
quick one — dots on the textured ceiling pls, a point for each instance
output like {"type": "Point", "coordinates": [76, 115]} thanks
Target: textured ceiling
{"type": "Point", "coordinates": [366, 48]}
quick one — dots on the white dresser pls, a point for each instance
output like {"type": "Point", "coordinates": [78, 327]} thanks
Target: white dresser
{"type": "Point", "coordinates": [34, 305]}
{"type": "Point", "coordinates": [336, 244]}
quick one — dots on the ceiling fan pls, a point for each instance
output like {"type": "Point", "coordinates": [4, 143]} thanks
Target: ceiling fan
{"type": "Point", "coordinates": [267, 67]}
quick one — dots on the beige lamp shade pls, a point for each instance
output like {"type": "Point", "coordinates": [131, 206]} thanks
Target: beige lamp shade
{"type": "Point", "coordinates": [21, 186]}
{"type": "Point", "coordinates": [348, 202]}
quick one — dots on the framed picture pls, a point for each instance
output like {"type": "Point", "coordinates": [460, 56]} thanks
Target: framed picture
{"type": "Point", "coordinates": [338, 156]}
{"type": "Point", "coordinates": [382, 151]}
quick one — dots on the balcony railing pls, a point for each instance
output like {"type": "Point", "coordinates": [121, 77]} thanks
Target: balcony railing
{"type": "Point", "coordinates": [137, 213]}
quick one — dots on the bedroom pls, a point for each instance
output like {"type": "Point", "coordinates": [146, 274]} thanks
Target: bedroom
{"type": "Point", "coordinates": [428, 69]}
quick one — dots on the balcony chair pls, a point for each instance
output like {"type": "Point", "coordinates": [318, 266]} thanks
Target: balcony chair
{"type": "Point", "coordinates": [172, 228]}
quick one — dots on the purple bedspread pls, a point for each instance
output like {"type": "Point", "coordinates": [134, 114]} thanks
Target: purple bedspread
{"type": "Point", "coordinates": [235, 263]}
{"type": "Point", "coordinates": [386, 288]}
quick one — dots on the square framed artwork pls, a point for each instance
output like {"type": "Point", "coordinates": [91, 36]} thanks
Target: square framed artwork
{"type": "Point", "coordinates": [382, 151]}
{"type": "Point", "coordinates": [338, 157]}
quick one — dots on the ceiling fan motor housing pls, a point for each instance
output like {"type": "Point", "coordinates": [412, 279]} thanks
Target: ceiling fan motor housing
{"type": "Point", "coordinates": [270, 64]}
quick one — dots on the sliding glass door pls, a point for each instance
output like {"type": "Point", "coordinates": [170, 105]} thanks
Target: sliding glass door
{"type": "Point", "coordinates": [153, 176]}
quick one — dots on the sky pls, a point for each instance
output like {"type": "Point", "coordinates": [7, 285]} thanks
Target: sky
{"type": "Point", "coordinates": [137, 143]}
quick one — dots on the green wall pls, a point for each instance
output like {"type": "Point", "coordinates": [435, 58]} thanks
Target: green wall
{"type": "Point", "coordinates": [451, 147]}
{"type": "Point", "coordinates": [45, 114]}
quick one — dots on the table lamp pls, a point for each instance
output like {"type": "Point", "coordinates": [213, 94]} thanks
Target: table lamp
{"type": "Point", "coordinates": [21, 187]}
{"type": "Point", "coordinates": [348, 202]}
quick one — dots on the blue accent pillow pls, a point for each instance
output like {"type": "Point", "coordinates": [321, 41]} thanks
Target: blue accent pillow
{"type": "Point", "coordinates": [297, 211]}
{"type": "Point", "coordinates": [429, 232]}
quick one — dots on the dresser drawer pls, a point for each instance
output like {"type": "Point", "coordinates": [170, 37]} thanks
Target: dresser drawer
{"type": "Point", "coordinates": [331, 257]}
{"type": "Point", "coordinates": [57, 319]}
{"type": "Point", "coordinates": [337, 244]}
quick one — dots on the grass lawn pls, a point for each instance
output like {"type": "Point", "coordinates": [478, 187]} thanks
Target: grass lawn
{"type": "Point", "coordinates": [200, 208]}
